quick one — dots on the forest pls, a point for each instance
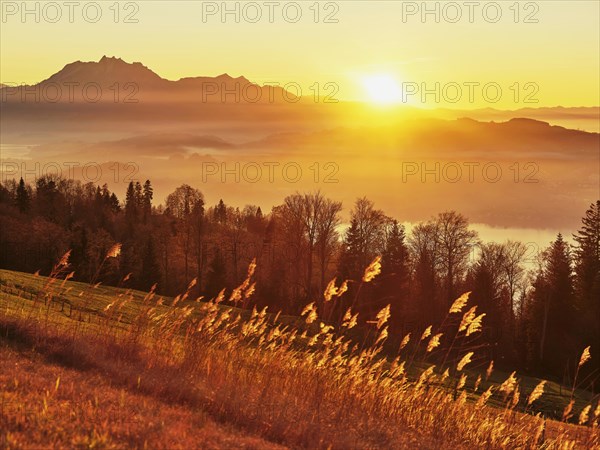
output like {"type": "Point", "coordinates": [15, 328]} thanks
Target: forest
{"type": "Point", "coordinates": [539, 312]}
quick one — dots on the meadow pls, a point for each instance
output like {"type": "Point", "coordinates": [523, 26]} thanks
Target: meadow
{"type": "Point", "coordinates": [89, 366]}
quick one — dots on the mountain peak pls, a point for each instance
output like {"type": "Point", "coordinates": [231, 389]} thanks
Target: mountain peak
{"type": "Point", "coordinates": [110, 58]}
{"type": "Point", "coordinates": [117, 77]}
{"type": "Point", "coordinates": [114, 61]}
{"type": "Point", "coordinates": [107, 70]}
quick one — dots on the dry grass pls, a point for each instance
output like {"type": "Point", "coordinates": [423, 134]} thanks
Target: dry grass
{"type": "Point", "coordinates": [304, 385]}
{"type": "Point", "coordinates": [47, 405]}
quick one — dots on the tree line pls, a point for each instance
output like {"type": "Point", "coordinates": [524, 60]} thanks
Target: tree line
{"type": "Point", "coordinates": [539, 315]}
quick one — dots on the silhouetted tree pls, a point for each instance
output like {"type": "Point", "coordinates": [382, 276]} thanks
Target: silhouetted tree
{"type": "Point", "coordinates": [50, 203]}
{"type": "Point", "coordinates": [350, 253]}
{"type": "Point", "coordinates": [328, 219]}
{"type": "Point", "coordinates": [131, 210]}
{"type": "Point", "coordinates": [220, 212]}
{"type": "Point", "coordinates": [552, 308]}
{"type": "Point", "coordinates": [114, 205]}
{"type": "Point", "coordinates": [365, 238]}
{"type": "Point", "coordinates": [456, 242]}
{"type": "Point", "coordinates": [198, 225]}
{"type": "Point", "coordinates": [147, 195]}
{"type": "Point", "coordinates": [181, 204]}
{"type": "Point", "coordinates": [23, 200]}
{"type": "Point", "coordinates": [425, 259]}
{"type": "Point", "coordinates": [587, 277]}
{"type": "Point", "coordinates": [150, 266]}
{"type": "Point", "coordinates": [487, 283]}
{"type": "Point", "coordinates": [395, 274]}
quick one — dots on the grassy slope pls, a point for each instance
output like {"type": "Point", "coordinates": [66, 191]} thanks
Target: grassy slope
{"type": "Point", "coordinates": [47, 399]}
{"type": "Point", "coordinates": [52, 392]}
{"type": "Point", "coordinates": [84, 305]}
{"type": "Point", "coordinates": [24, 287]}
{"type": "Point", "coordinates": [43, 403]}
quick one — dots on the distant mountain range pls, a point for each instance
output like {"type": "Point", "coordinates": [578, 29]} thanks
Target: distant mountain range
{"type": "Point", "coordinates": [135, 82]}
{"type": "Point", "coordinates": [135, 100]}
{"type": "Point", "coordinates": [169, 130]}
{"type": "Point", "coordinates": [122, 82]}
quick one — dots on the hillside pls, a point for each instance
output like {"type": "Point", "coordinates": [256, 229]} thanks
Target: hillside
{"type": "Point", "coordinates": [45, 402]}
{"type": "Point", "coordinates": [212, 377]}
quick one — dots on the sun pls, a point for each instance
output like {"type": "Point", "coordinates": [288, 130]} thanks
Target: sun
{"type": "Point", "coordinates": [382, 89]}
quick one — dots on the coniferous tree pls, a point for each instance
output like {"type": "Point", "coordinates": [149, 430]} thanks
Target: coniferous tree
{"type": "Point", "coordinates": [98, 197]}
{"type": "Point", "coordinates": [553, 308]}
{"type": "Point", "coordinates": [147, 195]}
{"type": "Point", "coordinates": [350, 254]}
{"type": "Point", "coordinates": [425, 257]}
{"type": "Point", "coordinates": [486, 281]}
{"type": "Point", "coordinates": [23, 200]}
{"type": "Point", "coordinates": [395, 255]}
{"type": "Point", "coordinates": [114, 205]}
{"type": "Point", "coordinates": [365, 238]}
{"type": "Point", "coordinates": [130, 202]}
{"type": "Point", "coordinates": [139, 196]}
{"type": "Point", "coordinates": [395, 274]}
{"type": "Point", "coordinates": [49, 201]}
{"type": "Point", "coordinates": [587, 276]}
{"type": "Point", "coordinates": [105, 194]}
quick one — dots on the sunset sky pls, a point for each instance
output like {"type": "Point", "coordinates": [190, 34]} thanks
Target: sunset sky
{"type": "Point", "coordinates": [371, 41]}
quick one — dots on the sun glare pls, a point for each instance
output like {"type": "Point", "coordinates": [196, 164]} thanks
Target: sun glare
{"type": "Point", "coordinates": [382, 89]}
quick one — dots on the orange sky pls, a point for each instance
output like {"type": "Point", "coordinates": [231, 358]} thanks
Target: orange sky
{"type": "Point", "coordinates": [554, 61]}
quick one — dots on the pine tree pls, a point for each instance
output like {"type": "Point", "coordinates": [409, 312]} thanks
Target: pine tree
{"type": "Point", "coordinates": [98, 197]}
{"type": "Point", "coordinates": [426, 279]}
{"type": "Point", "coordinates": [105, 195]}
{"type": "Point", "coordinates": [587, 255]}
{"type": "Point", "coordinates": [114, 203]}
{"type": "Point", "coordinates": [130, 202]}
{"type": "Point", "coordinates": [139, 197]}
{"type": "Point", "coordinates": [395, 255]}
{"type": "Point", "coordinates": [587, 276]}
{"type": "Point", "coordinates": [49, 201]}
{"type": "Point", "coordinates": [351, 254]}
{"type": "Point", "coordinates": [147, 195]}
{"type": "Point", "coordinates": [394, 273]}
{"type": "Point", "coordinates": [23, 200]}
{"type": "Point", "coordinates": [555, 311]}
{"type": "Point", "coordinates": [486, 280]}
